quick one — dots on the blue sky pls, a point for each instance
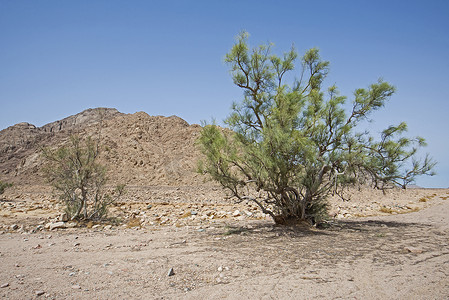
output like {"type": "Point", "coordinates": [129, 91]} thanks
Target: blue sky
{"type": "Point", "coordinates": [58, 58]}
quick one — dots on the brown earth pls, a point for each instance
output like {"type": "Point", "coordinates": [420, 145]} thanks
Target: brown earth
{"type": "Point", "coordinates": [378, 246]}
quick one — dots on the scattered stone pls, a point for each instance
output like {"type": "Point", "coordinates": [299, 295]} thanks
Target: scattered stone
{"type": "Point", "coordinates": [171, 272]}
{"type": "Point", "coordinates": [38, 246]}
{"type": "Point", "coordinates": [14, 227]}
{"type": "Point", "coordinates": [96, 226]}
{"type": "Point", "coordinates": [70, 225]}
{"type": "Point", "coordinates": [4, 285]}
{"type": "Point", "coordinates": [64, 217]}
{"type": "Point", "coordinates": [236, 213]}
{"type": "Point", "coordinates": [76, 244]}
{"type": "Point", "coordinates": [56, 225]}
{"type": "Point", "coordinates": [108, 227]}
{"type": "Point", "coordinates": [413, 250]}
{"type": "Point", "coordinates": [193, 212]}
{"type": "Point", "coordinates": [39, 228]}
{"type": "Point", "coordinates": [76, 287]}
{"type": "Point", "coordinates": [72, 274]}
{"type": "Point", "coordinates": [149, 206]}
{"type": "Point", "coordinates": [39, 293]}
{"type": "Point", "coordinates": [220, 269]}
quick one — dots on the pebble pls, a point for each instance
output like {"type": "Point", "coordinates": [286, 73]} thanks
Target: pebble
{"type": "Point", "coordinates": [56, 225]}
{"type": "Point", "coordinates": [14, 227]}
{"type": "Point", "coordinates": [39, 293]}
{"type": "Point", "coordinates": [171, 272]}
{"type": "Point", "coordinates": [413, 250]}
{"type": "Point", "coordinates": [76, 287]}
{"type": "Point", "coordinates": [4, 285]}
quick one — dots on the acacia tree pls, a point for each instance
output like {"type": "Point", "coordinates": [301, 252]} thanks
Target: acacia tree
{"type": "Point", "coordinates": [290, 146]}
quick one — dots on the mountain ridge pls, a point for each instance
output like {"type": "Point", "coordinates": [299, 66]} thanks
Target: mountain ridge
{"type": "Point", "coordinates": [137, 149]}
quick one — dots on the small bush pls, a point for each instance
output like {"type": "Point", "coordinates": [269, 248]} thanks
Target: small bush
{"type": "Point", "coordinates": [74, 172]}
{"type": "Point", "coordinates": [3, 186]}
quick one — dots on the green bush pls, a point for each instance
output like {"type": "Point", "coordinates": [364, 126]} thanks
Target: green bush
{"type": "Point", "coordinates": [73, 170]}
{"type": "Point", "coordinates": [3, 186]}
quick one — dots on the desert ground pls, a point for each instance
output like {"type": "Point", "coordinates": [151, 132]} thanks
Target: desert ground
{"type": "Point", "coordinates": [195, 243]}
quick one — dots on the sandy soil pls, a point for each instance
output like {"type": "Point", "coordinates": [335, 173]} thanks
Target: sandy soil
{"type": "Point", "coordinates": [392, 246]}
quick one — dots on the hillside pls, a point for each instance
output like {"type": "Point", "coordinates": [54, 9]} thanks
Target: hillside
{"type": "Point", "coordinates": [138, 149]}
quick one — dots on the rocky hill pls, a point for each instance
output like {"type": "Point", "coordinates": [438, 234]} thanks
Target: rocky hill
{"type": "Point", "coordinates": [137, 149]}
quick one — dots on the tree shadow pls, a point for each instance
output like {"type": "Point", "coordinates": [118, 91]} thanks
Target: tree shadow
{"type": "Point", "coordinates": [352, 224]}
{"type": "Point", "coordinates": [272, 231]}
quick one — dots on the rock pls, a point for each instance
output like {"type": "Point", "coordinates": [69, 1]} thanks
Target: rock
{"type": "Point", "coordinates": [193, 212]}
{"type": "Point", "coordinates": [70, 225]}
{"type": "Point", "coordinates": [14, 227]}
{"type": "Point", "coordinates": [64, 217]}
{"type": "Point", "coordinates": [56, 225]}
{"type": "Point", "coordinates": [236, 213]}
{"type": "Point", "coordinates": [149, 206]}
{"type": "Point", "coordinates": [39, 228]}
{"type": "Point", "coordinates": [98, 226]}
{"type": "Point", "coordinates": [220, 269]}
{"type": "Point", "coordinates": [413, 250]}
{"type": "Point", "coordinates": [108, 227]}
{"type": "Point", "coordinates": [171, 272]}
{"type": "Point", "coordinates": [76, 287]}
{"type": "Point", "coordinates": [39, 293]}
{"type": "Point", "coordinates": [4, 285]}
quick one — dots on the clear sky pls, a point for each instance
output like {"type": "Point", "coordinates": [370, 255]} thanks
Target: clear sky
{"type": "Point", "coordinates": [58, 58]}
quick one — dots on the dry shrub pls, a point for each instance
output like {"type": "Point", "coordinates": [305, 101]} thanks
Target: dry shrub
{"type": "Point", "coordinates": [387, 210]}
{"type": "Point", "coordinates": [134, 222]}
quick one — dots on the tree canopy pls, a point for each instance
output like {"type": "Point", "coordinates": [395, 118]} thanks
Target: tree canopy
{"type": "Point", "coordinates": [291, 145]}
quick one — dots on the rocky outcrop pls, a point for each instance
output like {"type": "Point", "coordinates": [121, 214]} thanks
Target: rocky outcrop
{"type": "Point", "coordinates": [137, 149]}
{"type": "Point", "coordinates": [88, 117]}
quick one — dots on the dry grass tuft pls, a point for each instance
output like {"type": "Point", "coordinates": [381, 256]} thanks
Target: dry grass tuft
{"type": "Point", "coordinates": [133, 222]}
{"type": "Point", "coordinates": [387, 210]}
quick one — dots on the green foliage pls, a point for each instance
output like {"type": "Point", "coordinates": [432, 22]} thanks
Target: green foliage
{"type": "Point", "coordinates": [75, 173]}
{"type": "Point", "coordinates": [3, 186]}
{"type": "Point", "coordinates": [292, 145]}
